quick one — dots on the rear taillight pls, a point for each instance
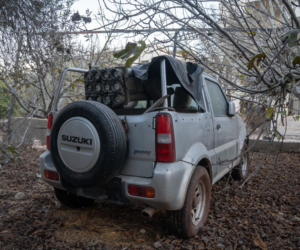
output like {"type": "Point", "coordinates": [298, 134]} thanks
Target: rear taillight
{"type": "Point", "coordinates": [141, 191]}
{"type": "Point", "coordinates": [49, 126]}
{"type": "Point", "coordinates": [165, 144]}
{"type": "Point", "coordinates": [51, 175]}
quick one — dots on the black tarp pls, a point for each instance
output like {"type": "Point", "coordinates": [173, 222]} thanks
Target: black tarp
{"type": "Point", "coordinates": [187, 74]}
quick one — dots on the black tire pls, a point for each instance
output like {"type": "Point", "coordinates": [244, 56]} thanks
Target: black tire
{"type": "Point", "coordinates": [240, 171]}
{"type": "Point", "coordinates": [113, 149]}
{"type": "Point", "coordinates": [181, 222]}
{"type": "Point", "coordinates": [71, 200]}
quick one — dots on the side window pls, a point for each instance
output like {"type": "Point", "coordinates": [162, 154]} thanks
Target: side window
{"type": "Point", "coordinates": [182, 101]}
{"type": "Point", "coordinates": [194, 105]}
{"type": "Point", "coordinates": [218, 101]}
{"type": "Point", "coordinates": [141, 105]}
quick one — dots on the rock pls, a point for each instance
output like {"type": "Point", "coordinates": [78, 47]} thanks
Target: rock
{"type": "Point", "coordinates": [42, 148]}
{"type": "Point", "coordinates": [221, 246]}
{"type": "Point", "coordinates": [1, 168]}
{"type": "Point", "coordinates": [37, 144]}
{"type": "Point", "coordinates": [157, 244]}
{"type": "Point", "coordinates": [142, 231]}
{"type": "Point", "coordinates": [205, 239]}
{"type": "Point", "coordinates": [19, 195]}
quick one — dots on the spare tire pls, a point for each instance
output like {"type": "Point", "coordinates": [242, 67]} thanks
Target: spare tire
{"type": "Point", "coordinates": [88, 144]}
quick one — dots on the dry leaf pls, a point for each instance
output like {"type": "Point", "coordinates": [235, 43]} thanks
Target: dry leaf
{"type": "Point", "coordinates": [260, 243]}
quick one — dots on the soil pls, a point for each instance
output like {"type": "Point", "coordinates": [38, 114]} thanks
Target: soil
{"type": "Point", "coordinates": [264, 214]}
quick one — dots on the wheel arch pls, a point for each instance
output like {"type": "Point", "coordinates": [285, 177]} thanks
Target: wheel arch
{"type": "Point", "coordinates": [205, 162]}
{"type": "Point", "coordinates": [198, 155]}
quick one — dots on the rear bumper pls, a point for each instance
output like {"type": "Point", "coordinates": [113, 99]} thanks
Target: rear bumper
{"type": "Point", "coordinates": [47, 164]}
{"type": "Point", "coordinates": [170, 181]}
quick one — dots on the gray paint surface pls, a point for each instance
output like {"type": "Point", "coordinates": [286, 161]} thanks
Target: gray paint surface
{"type": "Point", "coordinates": [196, 137]}
{"type": "Point", "coordinates": [141, 145]}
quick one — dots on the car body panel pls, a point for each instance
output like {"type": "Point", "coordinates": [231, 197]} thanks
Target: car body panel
{"type": "Point", "coordinates": [170, 181]}
{"type": "Point", "coordinates": [47, 164]}
{"type": "Point", "coordinates": [141, 149]}
{"type": "Point", "coordinates": [197, 138]}
{"type": "Point", "coordinates": [226, 136]}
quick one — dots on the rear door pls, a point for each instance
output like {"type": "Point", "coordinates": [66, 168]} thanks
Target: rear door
{"type": "Point", "coordinates": [225, 128]}
{"type": "Point", "coordinates": [141, 141]}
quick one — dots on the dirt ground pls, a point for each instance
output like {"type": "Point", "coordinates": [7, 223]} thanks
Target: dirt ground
{"type": "Point", "coordinates": [265, 214]}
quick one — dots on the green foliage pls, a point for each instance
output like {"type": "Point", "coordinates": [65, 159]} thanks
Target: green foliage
{"type": "Point", "coordinates": [259, 57]}
{"type": "Point", "coordinates": [4, 101]}
{"type": "Point", "coordinates": [296, 61]}
{"type": "Point", "coordinates": [292, 37]}
{"type": "Point", "coordinates": [278, 136]}
{"type": "Point", "coordinates": [131, 49]}
{"type": "Point", "coordinates": [253, 33]}
{"type": "Point", "coordinates": [283, 113]}
{"type": "Point", "coordinates": [270, 112]}
{"type": "Point", "coordinates": [183, 53]}
{"type": "Point", "coordinates": [9, 154]}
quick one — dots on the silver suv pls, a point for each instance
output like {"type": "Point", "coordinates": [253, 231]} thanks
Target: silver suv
{"type": "Point", "coordinates": [157, 135]}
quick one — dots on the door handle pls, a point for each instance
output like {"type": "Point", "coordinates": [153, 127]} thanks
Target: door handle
{"type": "Point", "coordinates": [218, 126]}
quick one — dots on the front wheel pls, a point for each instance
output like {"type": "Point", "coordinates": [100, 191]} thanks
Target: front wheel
{"type": "Point", "coordinates": [190, 220]}
{"type": "Point", "coordinates": [71, 200]}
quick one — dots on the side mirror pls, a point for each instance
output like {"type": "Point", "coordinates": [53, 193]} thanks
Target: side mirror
{"type": "Point", "coordinates": [231, 109]}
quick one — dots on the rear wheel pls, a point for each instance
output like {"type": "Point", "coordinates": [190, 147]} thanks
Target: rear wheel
{"type": "Point", "coordinates": [240, 172]}
{"type": "Point", "coordinates": [71, 200]}
{"type": "Point", "coordinates": [190, 220]}
{"type": "Point", "coordinates": [88, 144]}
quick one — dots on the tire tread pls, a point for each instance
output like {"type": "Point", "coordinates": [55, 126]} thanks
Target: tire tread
{"type": "Point", "coordinates": [115, 139]}
{"type": "Point", "coordinates": [177, 220]}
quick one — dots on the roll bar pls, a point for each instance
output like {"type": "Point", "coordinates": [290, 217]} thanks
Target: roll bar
{"type": "Point", "coordinates": [62, 77]}
{"type": "Point", "coordinates": [163, 78]}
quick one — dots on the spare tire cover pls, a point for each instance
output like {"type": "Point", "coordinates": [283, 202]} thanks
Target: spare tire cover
{"type": "Point", "coordinates": [88, 144]}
